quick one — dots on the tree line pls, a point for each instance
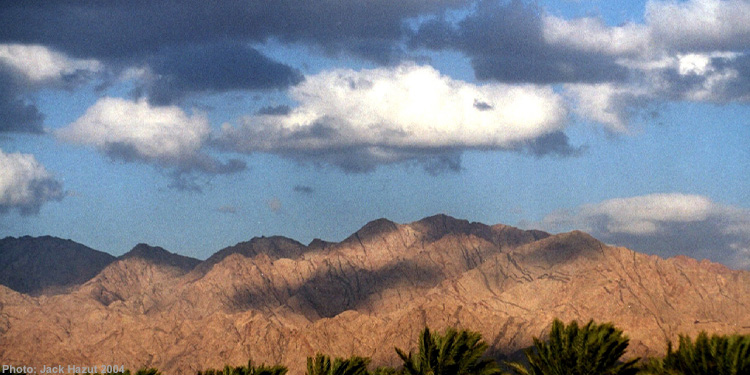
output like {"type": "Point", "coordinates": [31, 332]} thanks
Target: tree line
{"type": "Point", "coordinates": [572, 349]}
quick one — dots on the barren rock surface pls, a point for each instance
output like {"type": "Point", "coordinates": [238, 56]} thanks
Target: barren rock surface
{"type": "Point", "coordinates": [277, 301]}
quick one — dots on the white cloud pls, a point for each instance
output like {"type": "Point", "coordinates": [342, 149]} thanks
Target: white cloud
{"type": "Point", "coordinates": [611, 105]}
{"type": "Point", "coordinates": [385, 112]}
{"type": "Point", "coordinates": [700, 25]}
{"type": "Point", "coordinates": [682, 77]}
{"type": "Point", "coordinates": [592, 35]}
{"type": "Point", "coordinates": [25, 184]}
{"type": "Point", "coordinates": [40, 64]}
{"type": "Point", "coordinates": [139, 130]}
{"type": "Point", "coordinates": [665, 224]}
{"type": "Point", "coordinates": [167, 137]}
{"type": "Point", "coordinates": [673, 56]}
{"type": "Point", "coordinates": [642, 215]}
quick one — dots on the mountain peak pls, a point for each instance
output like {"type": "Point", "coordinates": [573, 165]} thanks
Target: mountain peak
{"type": "Point", "coordinates": [276, 247]}
{"type": "Point", "coordinates": [563, 248]}
{"type": "Point", "coordinates": [160, 256]}
{"type": "Point", "coordinates": [374, 228]}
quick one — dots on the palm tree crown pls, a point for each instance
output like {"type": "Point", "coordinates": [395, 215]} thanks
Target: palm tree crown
{"type": "Point", "coordinates": [452, 353]}
{"type": "Point", "coordinates": [594, 349]}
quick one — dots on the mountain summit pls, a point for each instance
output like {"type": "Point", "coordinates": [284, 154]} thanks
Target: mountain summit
{"type": "Point", "coordinates": [275, 300]}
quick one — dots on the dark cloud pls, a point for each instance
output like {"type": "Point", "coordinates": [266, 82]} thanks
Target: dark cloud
{"type": "Point", "coordinates": [304, 189]}
{"type": "Point", "coordinates": [16, 113]}
{"type": "Point", "coordinates": [211, 68]}
{"type": "Point", "coordinates": [183, 171]}
{"type": "Point", "coordinates": [738, 89]}
{"type": "Point", "coordinates": [366, 159]}
{"type": "Point", "coordinates": [279, 110]}
{"type": "Point", "coordinates": [482, 106]}
{"type": "Point", "coordinates": [448, 162]}
{"type": "Point", "coordinates": [505, 42]}
{"type": "Point", "coordinates": [556, 143]}
{"type": "Point", "coordinates": [113, 30]}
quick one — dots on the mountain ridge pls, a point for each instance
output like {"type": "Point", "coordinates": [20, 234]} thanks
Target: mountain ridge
{"type": "Point", "coordinates": [275, 300]}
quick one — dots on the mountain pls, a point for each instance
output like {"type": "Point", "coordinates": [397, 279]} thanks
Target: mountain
{"type": "Point", "coordinates": [141, 271]}
{"type": "Point", "coordinates": [158, 255]}
{"type": "Point", "coordinates": [35, 265]}
{"type": "Point", "coordinates": [275, 300]}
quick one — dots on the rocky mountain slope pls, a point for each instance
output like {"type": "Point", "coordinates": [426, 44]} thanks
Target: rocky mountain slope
{"type": "Point", "coordinates": [35, 265]}
{"type": "Point", "coordinates": [275, 300]}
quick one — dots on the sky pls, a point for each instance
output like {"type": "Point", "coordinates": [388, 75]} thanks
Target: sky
{"type": "Point", "coordinates": [194, 125]}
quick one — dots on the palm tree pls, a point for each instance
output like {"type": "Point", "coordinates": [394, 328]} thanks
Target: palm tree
{"type": "Point", "coordinates": [322, 365]}
{"type": "Point", "coordinates": [594, 349]}
{"type": "Point", "coordinates": [250, 369]}
{"type": "Point", "coordinates": [452, 353]}
{"type": "Point", "coordinates": [717, 355]}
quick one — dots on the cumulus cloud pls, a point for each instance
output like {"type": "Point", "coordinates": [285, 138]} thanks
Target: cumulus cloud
{"type": "Point", "coordinates": [39, 64]}
{"type": "Point", "coordinates": [135, 131]}
{"type": "Point", "coordinates": [666, 225]}
{"type": "Point", "coordinates": [515, 42]}
{"type": "Point", "coordinates": [359, 119]}
{"type": "Point", "coordinates": [718, 77]}
{"type": "Point", "coordinates": [694, 50]}
{"type": "Point", "coordinates": [25, 185]}
{"type": "Point", "coordinates": [26, 68]}
{"type": "Point", "coordinates": [592, 35]}
{"type": "Point", "coordinates": [700, 25]}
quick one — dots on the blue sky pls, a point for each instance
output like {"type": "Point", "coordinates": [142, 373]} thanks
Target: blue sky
{"type": "Point", "coordinates": [195, 125]}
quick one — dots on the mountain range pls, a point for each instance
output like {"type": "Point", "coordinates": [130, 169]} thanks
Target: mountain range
{"type": "Point", "coordinates": [275, 300]}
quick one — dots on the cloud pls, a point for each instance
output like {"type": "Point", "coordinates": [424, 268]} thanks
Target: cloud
{"type": "Point", "coordinates": [304, 189]}
{"type": "Point", "coordinates": [17, 114]}
{"type": "Point", "coordinates": [176, 72]}
{"type": "Point", "coordinates": [666, 225]}
{"type": "Point", "coordinates": [357, 120]}
{"type": "Point", "coordinates": [25, 69]}
{"type": "Point", "coordinates": [694, 50]}
{"type": "Point", "coordinates": [135, 131]}
{"type": "Point", "coordinates": [25, 185]}
{"type": "Point", "coordinates": [360, 27]}
{"type": "Point", "coordinates": [718, 78]}
{"type": "Point", "coordinates": [593, 36]}
{"type": "Point", "coordinates": [513, 42]}
{"type": "Point", "coordinates": [700, 25]}
{"type": "Point", "coordinates": [39, 64]}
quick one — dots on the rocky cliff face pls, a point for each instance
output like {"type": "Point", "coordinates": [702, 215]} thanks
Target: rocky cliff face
{"type": "Point", "coordinates": [277, 301]}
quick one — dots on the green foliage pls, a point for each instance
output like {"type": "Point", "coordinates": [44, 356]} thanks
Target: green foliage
{"type": "Point", "coordinates": [147, 371]}
{"type": "Point", "coordinates": [717, 355]}
{"type": "Point", "coordinates": [594, 349]}
{"type": "Point", "coordinates": [250, 369]}
{"type": "Point", "coordinates": [385, 370]}
{"type": "Point", "coordinates": [322, 365]}
{"type": "Point", "coordinates": [452, 353]}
